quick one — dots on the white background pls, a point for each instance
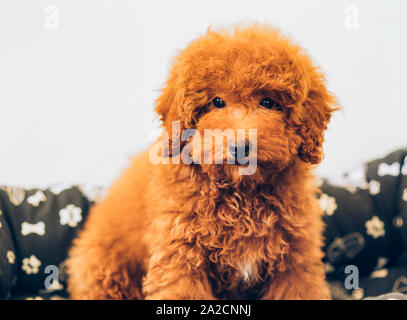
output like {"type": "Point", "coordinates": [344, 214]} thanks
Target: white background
{"type": "Point", "coordinates": [76, 102]}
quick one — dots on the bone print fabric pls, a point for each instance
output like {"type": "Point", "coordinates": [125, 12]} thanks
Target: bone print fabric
{"type": "Point", "coordinates": [366, 226]}
{"type": "Point", "coordinates": [365, 214]}
{"type": "Point", "coordinates": [37, 228]}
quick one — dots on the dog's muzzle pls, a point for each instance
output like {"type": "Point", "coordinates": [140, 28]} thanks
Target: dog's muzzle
{"type": "Point", "coordinates": [240, 149]}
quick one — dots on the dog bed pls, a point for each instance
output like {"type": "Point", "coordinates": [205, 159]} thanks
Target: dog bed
{"type": "Point", "coordinates": [366, 233]}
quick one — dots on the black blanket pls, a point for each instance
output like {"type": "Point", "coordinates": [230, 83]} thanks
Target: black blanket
{"type": "Point", "coordinates": [365, 214]}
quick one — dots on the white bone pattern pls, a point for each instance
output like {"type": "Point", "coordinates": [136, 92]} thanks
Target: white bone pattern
{"type": "Point", "coordinates": [374, 187]}
{"type": "Point", "coordinates": [31, 265]}
{"type": "Point", "coordinates": [16, 195]}
{"type": "Point", "coordinates": [11, 257]}
{"type": "Point", "coordinates": [36, 198]}
{"type": "Point", "coordinates": [59, 188]}
{"type": "Point", "coordinates": [391, 170]}
{"type": "Point", "coordinates": [70, 215]}
{"type": "Point", "coordinates": [38, 228]}
{"type": "Point", "coordinates": [404, 169]}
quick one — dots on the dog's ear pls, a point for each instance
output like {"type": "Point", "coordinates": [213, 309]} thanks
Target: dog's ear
{"type": "Point", "coordinates": [316, 113]}
{"type": "Point", "coordinates": [169, 106]}
{"type": "Point", "coordinates": [170, 103]}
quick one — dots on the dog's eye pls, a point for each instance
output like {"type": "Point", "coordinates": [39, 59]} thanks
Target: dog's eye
{"type": "Point", "coordinates": [269, 104]}
{"type": "Point", "coordinates": [218, 102]}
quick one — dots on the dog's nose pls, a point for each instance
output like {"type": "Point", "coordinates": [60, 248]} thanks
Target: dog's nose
{"type": "Point", "coordinates": [239, 149]}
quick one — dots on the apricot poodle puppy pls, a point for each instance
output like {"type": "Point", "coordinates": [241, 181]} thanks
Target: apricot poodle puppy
{"type": "Point", "coordinates": [237, 218]}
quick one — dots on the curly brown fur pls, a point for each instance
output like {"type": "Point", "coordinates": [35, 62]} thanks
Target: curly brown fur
{"type": "Point", "coordinates": [203, 231]}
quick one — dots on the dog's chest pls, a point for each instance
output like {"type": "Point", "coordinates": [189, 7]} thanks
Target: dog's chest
{"type": "Point", "coordinates": [248, 272]}
{"type": "Point", "coordinates": [243, 281]}
{"type": "Point", "coordinates": [237, 258]}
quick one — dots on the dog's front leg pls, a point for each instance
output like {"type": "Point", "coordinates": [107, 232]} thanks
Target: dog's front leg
{"type": "Point", "coordinates": [304, 282]}
{"type": "Point", "coordinates": [177, 272]}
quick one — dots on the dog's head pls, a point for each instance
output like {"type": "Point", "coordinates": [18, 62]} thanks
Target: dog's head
{"type": "Point", "coordinates": [253, 79]}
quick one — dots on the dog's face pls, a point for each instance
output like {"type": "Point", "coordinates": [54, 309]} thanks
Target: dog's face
{"type": "Point", "coordinates": [250, 79]}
